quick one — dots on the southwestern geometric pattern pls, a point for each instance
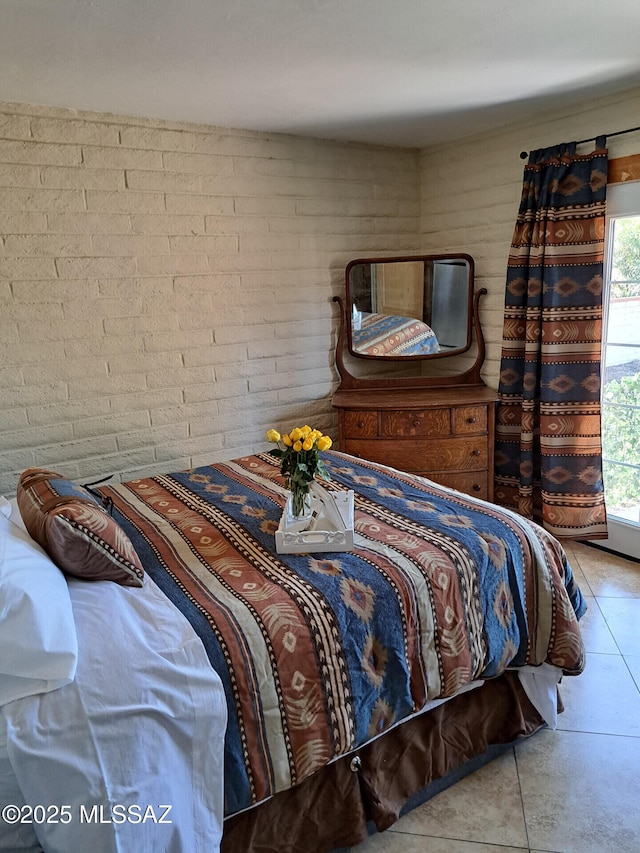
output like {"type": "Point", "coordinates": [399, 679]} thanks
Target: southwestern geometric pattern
{"type": "Point", "coordinates": [319, 653]}
{"type": "Point", "coordinates": [548, 460]}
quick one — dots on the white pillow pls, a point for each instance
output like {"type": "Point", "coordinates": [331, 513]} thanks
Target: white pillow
{"type": "Point", "coordinates": [38, 642]}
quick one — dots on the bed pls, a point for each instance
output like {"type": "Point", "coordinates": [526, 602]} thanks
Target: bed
{"type": "Point", "coordinates": [299, 701]}
{"type": "Point", "coordinates": [388, 335]}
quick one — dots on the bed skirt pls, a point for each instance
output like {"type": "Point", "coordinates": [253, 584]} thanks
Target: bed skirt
{"type": "Point", "coordinates": [369, 789]}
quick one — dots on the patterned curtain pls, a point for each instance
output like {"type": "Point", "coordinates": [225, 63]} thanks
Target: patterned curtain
{"type": "Point", "coordinates": [548, 464]}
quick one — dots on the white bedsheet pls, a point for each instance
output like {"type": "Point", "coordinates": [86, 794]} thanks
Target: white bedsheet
{"type": "Point", "coordinates": [141, 728]}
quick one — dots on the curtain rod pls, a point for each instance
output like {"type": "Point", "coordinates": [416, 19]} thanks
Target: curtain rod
{"type": "Point", "coordinates": [525, 154]}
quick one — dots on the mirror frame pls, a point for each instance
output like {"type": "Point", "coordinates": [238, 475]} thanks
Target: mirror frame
{"type": "Point", "coordinates": [404, 258]}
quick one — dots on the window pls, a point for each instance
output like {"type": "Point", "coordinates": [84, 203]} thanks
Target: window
{"type": "Point", "coordinates": [621, 369]}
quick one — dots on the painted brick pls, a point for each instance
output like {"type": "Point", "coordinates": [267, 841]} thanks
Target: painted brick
{"type": "Point", "coordinates": [158, 139]}
{"type": "Point", "coordinates": [217, 355]}
{"type": "Point", "coordinates": [198, 392]}
{"type": "Point", "coordinates": [22, 223]}
{"type": "Point", "coordinates": [52, 290]}
{"type": "Point", "coordinates": [218, 285]}
{"type": "Point", "coordinates": [89, 223]}
{"type": "Point", "coordinates": [67, 177]}
{"type": "Point", "coordinates": [121, 158]}
{"type": "Point", "coordinates": [82, 268]}
{"type": "Point", "coordinates": [27, 268]}
{"type": "Point", "coordinates": [209, 245]}
{"type": "Point", "coordinates": [102, 308]}
{"type": "Point", "coordinates": [40, 200]}
{"type": "Point", "coordinates": [237, 224]}
{"type": "Point", "coordinates": [245, 404]}
{"type": "Point", "coordinates": [46, 244]}
{"type": "Point", "coordinates": [152, 436]}
{"type": "Point", "coordinates": [130, 287]}
{"type": "Point", "coordinates": [14, 351]}
{"type": "Point", "coordinates": [40, 153]}
{"type": "Point", "coordinates": [184, 377]}
{"type": "Point", "coordinates": [255, 336]}
{"type": "Point", "coordinates": [113, 384]}
{"type": "Point", "coordinates": [144, 362]}
{"type": "Point", "coordinates": [195, 447]}
{"type": "Point", "coordinates": [111, 424]}
{"type": "Point", "coordinates": [40, 330]}
{"type": "Point", "coordinates": [167, 224]}
{"type": "Point", "coordinates": [203, 204]}
{"type": "Point", "coordinates": [12, 419]}
{"type": "Point", "coordinates": [181, 182]}
{"type": "Point", "coordinates": [14, 127]}
{"type": "Point", "coordinates": [157, 399]}
{"type": "Point", "coordinates": [32, 437]}
{"type": "Point", "coordinates": [124, 202]}
{"type": "Point", "coordinates": [116, 464]}
{"type": "Point", "coordinates": [80, 131]}
{"type": "Point", "coordinates": [63, 371]}
{"type": "Point", "coordinates": [120, 244]}
{"type": "Point", "coordinates": [172, 264]}
{"type": "Point", "coordinates": [135, 326]}
{"type": "Point", "coordinates": [71, 411]}
{"type": "Point", "coordinates": [204, 164]}
{"type": "Point", "coordinates": [242, 368]}
{"type": "Point", "coordinates": [166, 342]}
{"type": "Point", "coordinates": [19, 176]}
{"type": "Point", "coordinates": [11, 376]}
{"type": "Point", "coordinates": [22, 396]}
{"type": "Point", "coordinates": [184, 413]}
{"type": "Point", "coordinates": [22, 312]}
{"type": "Point", "coordinates": [71, 451]}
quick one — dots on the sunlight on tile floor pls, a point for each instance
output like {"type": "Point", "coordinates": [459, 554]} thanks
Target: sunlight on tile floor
{"type": "Point", "coordinates": [573, 790]}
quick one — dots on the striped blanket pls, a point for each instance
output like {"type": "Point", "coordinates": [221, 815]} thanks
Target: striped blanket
{"type": "Point", "coordinates": [318, 653]}
{"type": "Point", "coordinates": [382, 334]}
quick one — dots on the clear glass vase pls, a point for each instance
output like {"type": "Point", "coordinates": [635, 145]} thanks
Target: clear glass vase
{"type": "Point", "coordinates": [299, 502]}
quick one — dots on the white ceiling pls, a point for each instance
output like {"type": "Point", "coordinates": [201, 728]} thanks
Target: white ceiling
{"type": "Point", "coordinates": [401, 72]}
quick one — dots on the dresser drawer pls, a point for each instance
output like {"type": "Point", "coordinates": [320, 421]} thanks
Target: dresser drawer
{"type": "Point", "coordinates": [474, 483]}
{"type": "Point", "coordinates": [427, 424]}
{"type": "Point", "coordinates": [406, 455]}
{"type": "Point", "coordinates": [462, 454]}
{"type": "Point", "coordinates": [470, 420]}
{"type": "Point", "coordinates": [360, 424]}
{"type": "Point", "coordinates": [466, 454]}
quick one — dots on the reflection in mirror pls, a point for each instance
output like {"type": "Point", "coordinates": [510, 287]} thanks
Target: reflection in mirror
{"type": "Point", "coordinates": [410, 307]}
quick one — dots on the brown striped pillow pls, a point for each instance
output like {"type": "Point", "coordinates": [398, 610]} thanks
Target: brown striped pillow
{"type": "Point", "coordinates": [75, 530]}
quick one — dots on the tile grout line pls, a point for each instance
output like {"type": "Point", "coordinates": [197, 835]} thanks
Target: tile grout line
{"type": "Point", "coordinates": [524, 814]}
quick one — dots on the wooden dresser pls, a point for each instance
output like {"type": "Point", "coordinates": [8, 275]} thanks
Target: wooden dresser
{"type": "Point", "coordinates": [445, 434]}
{"type": "Point", "coordinates": [439, 426]}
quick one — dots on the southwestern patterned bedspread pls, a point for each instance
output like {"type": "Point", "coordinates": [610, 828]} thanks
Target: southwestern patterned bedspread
{"type": "Point", "coordinates": [318, 653]}
{"type": "Point", "coordinates": [382, 334]}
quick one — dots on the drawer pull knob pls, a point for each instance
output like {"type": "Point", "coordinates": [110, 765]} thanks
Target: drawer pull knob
{"type": "Point", "coordinates": [360, 424]}
{"type": "Point", "coordinates": [416, 423]}
{"type": "Point", "coordinates": [476, 487]}
{"type": "Point", "coordinates": [471, 420]}
{"type": "Point", "coordinates": [475, 452]}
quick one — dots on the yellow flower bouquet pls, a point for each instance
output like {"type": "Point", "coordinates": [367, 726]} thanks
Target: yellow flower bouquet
{"type": "Point", "coordinates": [299, 455]}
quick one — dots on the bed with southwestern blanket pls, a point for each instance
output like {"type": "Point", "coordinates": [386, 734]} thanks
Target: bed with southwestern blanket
{"type": "Point", "coordinates": [320, 654]}
{"type": "Point", "coordinates": [387, 335]}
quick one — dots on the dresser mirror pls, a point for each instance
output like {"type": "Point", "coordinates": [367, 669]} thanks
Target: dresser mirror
{"type": "Point", "coordinates": [415, 307]}
{"type": "Point", "coordinates": [401, 408]}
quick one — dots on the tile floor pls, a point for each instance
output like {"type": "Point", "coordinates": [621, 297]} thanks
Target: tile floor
{"type": "Point", "coordinates": [573, 790]}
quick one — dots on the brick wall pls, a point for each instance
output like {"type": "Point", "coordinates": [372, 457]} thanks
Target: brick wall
{"type": "Point", "coordinates": [165, 290]}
